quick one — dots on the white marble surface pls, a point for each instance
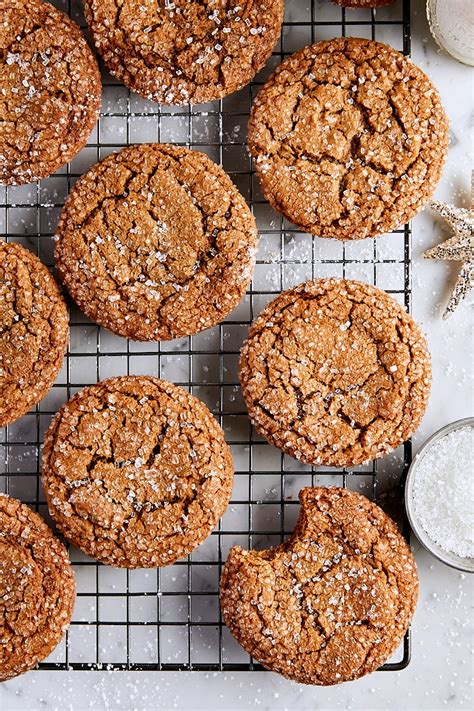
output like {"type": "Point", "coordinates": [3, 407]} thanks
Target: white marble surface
{"type": "Point", "coordinates": [440, 673]}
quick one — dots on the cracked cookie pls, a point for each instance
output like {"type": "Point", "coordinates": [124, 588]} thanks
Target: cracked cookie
{"type": "Point", "coordinates": [335, 372]}
{"type": "Point", "coordinates": [37, 589]}
{"type": "Point", "coordinates": [348, 138]}
{"type": "Point", "coordinates": [33, 331]}
{"type": "Point", "coordinates": [156, 242]}
{"type": "Point", "coordinates": [136, 472]}
{"type": "Point", "coordinates": [185, 51]}
{"type": "Point", "coordinates": [331, 603]}
{"type": "Point", "coordinates": [50, 90]}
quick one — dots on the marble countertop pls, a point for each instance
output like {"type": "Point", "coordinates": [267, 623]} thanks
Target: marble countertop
{"type": "Point", "coordinates": [440, 672]}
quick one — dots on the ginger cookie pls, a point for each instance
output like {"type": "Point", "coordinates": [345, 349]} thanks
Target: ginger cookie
{"type": "Point", "coordinates": [349, 138]}
{"type": "Point", "coordinates": [333, 602]}
{"type": "Point", "coordinates": [136, 472]}
{"type": "Point", "coordinates": [34, 331]}
{"type": "Point", "coordinates": [335, 372]}
{"type": "Point", "coordinates": [50, 87]}
{"type": "Point", "coordinates": [37, 589]}
{"type": "Point", "coordinates": [156, 242]}
{"type": "Point", "coordinates": [185, 51]}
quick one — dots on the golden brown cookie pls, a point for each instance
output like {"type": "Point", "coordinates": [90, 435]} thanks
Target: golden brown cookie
{"type": "Point", "coordinates": [333, 602]}
{"type": "Point", "coordinates": [136, 472]}
{"type": "Point", "coordinates": [36, 589]}
{"type": "Point", "coordinates": [50, 90]}
{"type": "Point", "coordinates": [349, 138]}
{"type": "Point", "coordinates": [185, 51]}
{"type": "Point", "coordinates": [33, 331]}
{"type": "Point", "coordinates": [156, 242]}
{"type": "Point", "coordinates": [335, 372]}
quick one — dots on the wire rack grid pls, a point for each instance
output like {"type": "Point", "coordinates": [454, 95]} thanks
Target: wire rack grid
{"type": "Point", "coordinates": [169, 619]}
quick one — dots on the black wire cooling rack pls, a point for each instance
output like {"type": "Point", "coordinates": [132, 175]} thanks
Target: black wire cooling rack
{"type": "Point", "coordinates": [169, 619]}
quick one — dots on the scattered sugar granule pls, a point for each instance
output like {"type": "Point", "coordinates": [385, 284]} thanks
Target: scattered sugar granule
{"type": "Point", "coordinates": [443, 492]}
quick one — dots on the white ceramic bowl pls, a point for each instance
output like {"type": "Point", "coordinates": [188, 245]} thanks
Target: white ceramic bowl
{"type": "Point", "coordinates": [455, 561]}
{"type": "Point", "coordinates": [451, 23]}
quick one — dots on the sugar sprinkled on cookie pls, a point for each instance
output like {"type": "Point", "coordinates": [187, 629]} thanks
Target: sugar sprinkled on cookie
{"type": "Point", "coordinates": [136, 471]}
{"type": "Point", "coordinates": [156, 242]}
{"type": "Point", "coordinates": [331, 603]}
{"type": "Point", "coordinates": [348, 138]}
{"type": "Point", "coordinates": [335, 372]}
{"type": "Point", "coordinates": [50, 87]}
{"type": "Point", "coordinates": [34, 331]}
{"type": "Point", "coordinates": [36, 589]}
{"type": "Point", "coordinates": [185, 51]}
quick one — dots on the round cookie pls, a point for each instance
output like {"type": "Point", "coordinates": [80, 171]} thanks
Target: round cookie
{"type": "Point", "coordinates": [348, 138]}
{"type": "Point", "coordinates": [136, 472]}
{"type": "Point", "coordinates": [186, 51]}
{"type": "Point", "coordinates": [333, 602]}
{"type": "Point", "coordinates": [156, 242]}
{"type": "Point", "coordinates": [335, 372]}
{"type": "Point", "coordinates": [36, 588]}
{"type": "Point", "coordinates": [51, 90]}
{"type": "Point", "coordinates": [34, 331]}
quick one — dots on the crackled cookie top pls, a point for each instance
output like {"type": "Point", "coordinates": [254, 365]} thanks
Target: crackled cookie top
{"type": "Point", "coordinates": [50, 90]}
{"type": "Point", "coordinates": [349, 138]}
{"type": "Point", "coordinates": [136, 471]}
{"type": "Point", "coordinates": [156, 242]}
{"type": "Point", "coordinates": [36, 589]}
{"type": "Point", "coordinates": [33, 331]}
{"type": "Point", "coordinates": [185, 51]}
{"type": "Point", "coordinates": [335, 372]}
{"type": "Point", "coordinates": [333, 602]}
